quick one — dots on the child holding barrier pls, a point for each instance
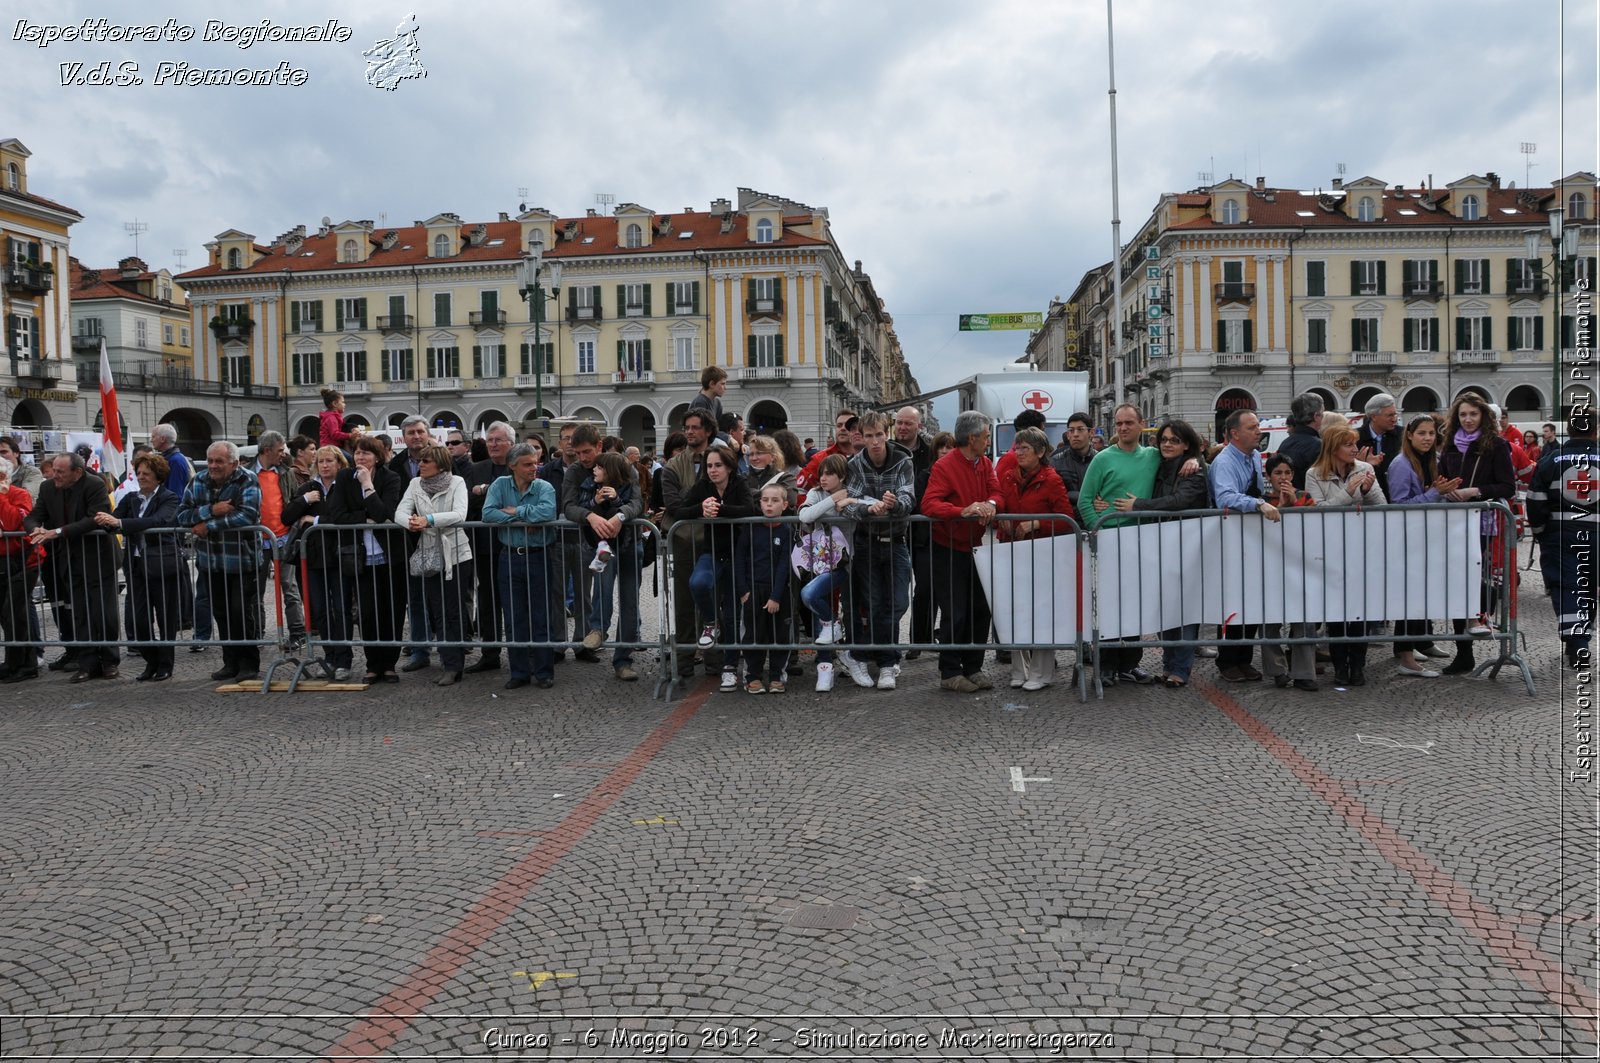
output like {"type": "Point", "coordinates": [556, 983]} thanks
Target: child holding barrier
{"type": "Point", "coordinates": [761, 581]}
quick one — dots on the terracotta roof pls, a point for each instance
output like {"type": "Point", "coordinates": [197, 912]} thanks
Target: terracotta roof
{"type": "Point", "coordinates": [321, 252]}
{"type": "Point", "coordinates": [110, 285]}
{"type": "Point", "coordinates": [1284, 210]}
{"type": "Point", "coordinates": [31, 198]}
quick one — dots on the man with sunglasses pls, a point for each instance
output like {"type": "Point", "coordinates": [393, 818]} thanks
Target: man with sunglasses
{"type": "Point", "coordinates": [460, 452]}
{"type": "Point", "coordinates": [845, 425]}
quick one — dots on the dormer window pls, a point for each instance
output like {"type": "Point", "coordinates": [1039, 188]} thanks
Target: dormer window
{"type": "Point", "coordinates": [1230, 212]}
{"type": "Point", "coordinates": [634, 236]}
{"type": "Point", "coordinates": [441, 246]}
{"type": "Point", "coordinates": [1469, 208]}
{"type": "Point", "coordinates": [14, 177]}
{"type": "Point", "coordinates": [349, 252]}
{"type": "Point", "coordinates": [1366, 210]}
{"type": "Point", "coordinates": [235, 258]}
{"type": "Point", "coordinates": [1577, 206]}
{"type": "Point", "coordinates": [536, 242]}
{"type": "Point", "coordinates": [764, 231]}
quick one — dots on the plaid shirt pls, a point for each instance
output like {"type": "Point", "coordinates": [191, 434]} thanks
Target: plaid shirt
{"type": "Point", "coordinates": [865, 480]}
{"type": "Point", "coordinates": [224, 548]}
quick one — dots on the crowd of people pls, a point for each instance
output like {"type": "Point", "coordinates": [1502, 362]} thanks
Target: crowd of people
{"type": "Point", "coordinates": [421, 552]}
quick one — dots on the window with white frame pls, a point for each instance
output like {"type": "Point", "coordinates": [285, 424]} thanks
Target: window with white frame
{"type": "Point", "coordinates": [766, 292]}
{"type": "Point", "coordinates": [1368, 277]}
{"type": "Point", "coordinates": [444, 362]}
{"type": "Point", "coordinates": [349, 252]}
{"type": "Point", "coordinates": [768, 351]}
{"type": "Point", "coordinates": [183, 336]}
{"type": "Point", "coordinates": [308, 367]}
{"type": "Point", "coordinates": [683, 357]}
{"type": "Point", "coordinates": [306, 315]}
{"type": "Point", "coordinates": [1525, 332]}
{"type": "Point", "coordinates": [585, 356]}
{"type": "Point", "coordinates": [489, 361]}
{"type": "Point", "coordinates": [634, 356]}
{"type": "Point", "coordinates": [1230, 212]}
{"type": "Point", "coordinates": [24, 334]}
{"type": "Point", "coordinates": [352, 314]}
{"type": "Point", "coordinates": [89, 326]}
{"type": "Point", "coordinates": [441, 246]}
{"type": "Point", "coordinates": [764, 231]}
{"type": "Point", "coordinates": [1474, 333]}
{"type": "Point", "coordinates": [635, 235]}
{"type": "Point", "coordinates": [1472, 275]}
{"type": "Point", "coordinates": [350, 364]}
{"type": "Point", "coordinates": [398, 363]}
{"type": "Point", "coordinates": [1469, 208]}
{"type": "Point", "coordinates": [1577, 207]}
{"type": "Point", "coordinates": [1366, 210]}
{"type": "Point", "coordinates": [684, 297]}
{"type": "Point", "coordinates": [1234, 336]}
{"type": "Point", "coordinates": [14, 177]}
{"type": "Point", "coordinates": [236, 369]}
{"type": "Point", "coordinates": [141, 333]}
{"type": "Point", "coordinates": [633, 299]}
{"type": "Point", "coordinates": [235, 258]}
{"type": "Point", "coordinates": [166, 335]}
{"type": "Point", "coordinates": [1421, 334]}
{"type": "Point", "coordinates": [1364, 334]}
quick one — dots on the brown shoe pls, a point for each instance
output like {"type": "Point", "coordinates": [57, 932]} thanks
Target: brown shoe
{"type": "Point", "coordinates": [594, 640]}
{"type": "Point", "coordinates": [958, 684]}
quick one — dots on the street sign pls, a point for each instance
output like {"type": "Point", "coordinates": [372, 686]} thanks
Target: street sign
{"type": "Point", "coordinates": [995, 322]}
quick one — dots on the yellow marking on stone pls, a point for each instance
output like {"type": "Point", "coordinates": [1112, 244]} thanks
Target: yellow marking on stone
{"type": "Point", "coordinates": [539, 978]}
{"type": "Point", "coordinates": [655, 821]}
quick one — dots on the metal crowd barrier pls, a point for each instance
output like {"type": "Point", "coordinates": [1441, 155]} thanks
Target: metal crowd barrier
{"type": "Point", "coordinates": [385, 590]}
{"type": "Point", "coordinates": [1335, 575]}
{"type": "Point", "coordinates": [976, 605]}
{"type": "Point", "coordinates": [95, 593]}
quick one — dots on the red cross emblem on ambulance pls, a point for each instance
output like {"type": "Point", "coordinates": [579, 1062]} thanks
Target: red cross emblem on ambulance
{"type": "Point", "coordinates": [1038, 400]}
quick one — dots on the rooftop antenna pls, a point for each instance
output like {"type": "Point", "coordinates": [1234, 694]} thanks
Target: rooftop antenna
{"type": "Point", "coordinates": [522, 200]}
{"type": "Point", "coordinates": [605, 199]}
{"type": "Point", "coordinates": [179, 254]}
{"type": "Point", "coordinates": [1529, 150]}
{"type": "Point", "coordinates": [1340, 168]}
{"type": "Point", "coordinates": [383, 219]}
{"type": "Point", "coordinates": [1205, 177]}
{"type": "Point", "coordinates": [134, 228]}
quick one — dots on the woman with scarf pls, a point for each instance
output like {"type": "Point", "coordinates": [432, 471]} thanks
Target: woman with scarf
{"type": "Point", "coordinates": [1474, 453]}
{"type": "Point", "coordinates": [434, 504]}
{"type": "Point", "coordinates": [363, 505]}
{"type": "Point", "coordinates": [1414, 480]}
{"type": "Point", "coordinates": [1032, 485]}
{"type": "Point", "coordinates": [1339, 478]}
{"type": "Point", "coordinates": [158, 576]}
{"type": "Point", "coordinates": [329, 587]}
{"type": "Point", "coordinates": [718, 495]}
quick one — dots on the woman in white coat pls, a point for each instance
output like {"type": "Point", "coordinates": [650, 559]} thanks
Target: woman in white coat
{"type": "Point", "coordinates": [1339, 478]}
{"type": "Point", "coordinates": [433, 507]}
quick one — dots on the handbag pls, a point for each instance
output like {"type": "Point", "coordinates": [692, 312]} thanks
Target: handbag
{"type": "Point", "coordinates": [428, 558]}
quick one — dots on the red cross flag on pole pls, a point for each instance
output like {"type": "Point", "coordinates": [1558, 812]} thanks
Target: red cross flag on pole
{"type": "Point", "coordinates": [111, 449]}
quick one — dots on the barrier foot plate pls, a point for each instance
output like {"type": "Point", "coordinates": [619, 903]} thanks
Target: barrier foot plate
{"type": "Point", "coordinates": [285, 686]}
{"type": "Point", "coordinates": [1513, 658]}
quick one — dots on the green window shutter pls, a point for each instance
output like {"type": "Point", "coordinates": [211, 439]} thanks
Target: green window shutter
{"type": "Point", "coordinates": [1383, 277]}
{"type": "Point", "coordinates": [622, 299]}
{"type": "Point", "coordinates": [646, 366]}
{"type": "Point", "coordinates": [361, 365]}
{"type": "Point", "coordinates": [1222, 337]}
{"type": "Point", "coordinates": [1514, 332]}
{"type": "Point", "coordinates": [572, 301]}
{"type": "Point", "coordinates": [1355, 278]}
{"type": "Point", "coordinates": [1408, 334]}
{"type": "Point", "coordinates": [695, 290]}
{"type": "Point", "coordinates": [1538, 333]}
{"type": "Point", "coordinates": [294, 364]}
{"type": "Point", "coordinates": [316, 314]}
{"type": "Point", "coordinates": [1433, 271]}
{"type": "Point", "coordinates": [338, 315]}
{"type": "Point", "coordinates": [622, 354]}
{"type": "Point", "coordinates": [477, 360]}
{"type": "Point", "coordinates": [490, 301]}
{"type": "Point", "coordinates": [1249, 337]}
{"type": "Point", "coordinates": [1316, 280]}
{"type": "Point", "coordinates": [387, 360]}
{"type": "Point", "coordinates": [361, 312]}
{"type": "Point", "coordinates": [294, 318]}
{"type": "Point", "coordinates": [780, 348]}
{"type": "Point", "coordinates": [397, 310]}
{"type": "Point", "coordinates": [752, 289]}
{"type": "Point", "coordinates": [1461, 333]}
{"type": "Point", "coordinates": [441, 308]}
{"type": "Point", "coordinates": [338, 368]}
{"type": "Point", "coordinates": [1408, 273]}
{"type": "Point", "coordinates": [1358, 331]}
{"type": "Point", "coordinates": [411, 364]}
{"type": "Point", "coordinates": [1461, 277]}
{"type": "Point", "coordinates": [527, 354]}
{"type": "Point", "coordinates": [1488, 334]}
{"type": "Point", "coordinates": [596, 302]}
{"type": "Point", "coordinates": [1433, 336]}
{"type": "Point", "coordinates": [750, 353]}
{"type": "Point", "coordinates": [647, 288]}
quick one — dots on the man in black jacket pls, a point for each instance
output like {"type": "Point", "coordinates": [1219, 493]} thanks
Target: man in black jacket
{"type": "Point", "coordinates": [1378, 438]}
{"type": "Point", "coordinates": [908, 433]}
{"type": "Point", "coordinates": [1304, 443]}
{"type": "Point", "coordinates": [82, 562]}
{"type": "Point", "coordinates": [486, 545]}
{"type": "Point", "coordinates": [1071, 459]}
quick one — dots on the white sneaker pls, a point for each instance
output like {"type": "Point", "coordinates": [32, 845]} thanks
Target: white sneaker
{"type": "Point", "coordinates": [1035, 684]}
{"type": "Point", "coordinates": [857, 669]}
{"type": "Point", "coordinates": [708, 636]}
{"type": "Point", "coordinates": [824, 678]}
{"type": "Point", "coordinates": [886, 676]}
{"type": "Point", "coordinates": [828, 633]}
{"type": "Point", "coordinates": [730, 682]}
{"type": "Point", "coordinates": [1016, 684]}
{"type": "Point", "coordinates": [1479, 629]}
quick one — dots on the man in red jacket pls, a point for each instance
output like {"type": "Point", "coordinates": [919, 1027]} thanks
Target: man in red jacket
{"type": "Point", "coordinates": [962, 497]}
{"type": "Point", "coordinates": [845, 424]}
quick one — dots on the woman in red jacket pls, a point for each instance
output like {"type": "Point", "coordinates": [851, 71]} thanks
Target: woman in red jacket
{"type": "Point", "coordinates": [330, 423]}
{"type": "Point", "coordinates": [17, 577]}
{"type": "Point", "coordinates": [1031, 485]}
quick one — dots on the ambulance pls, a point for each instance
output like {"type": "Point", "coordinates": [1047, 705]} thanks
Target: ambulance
{"type": "Point", "coordinates": [1001, 396]}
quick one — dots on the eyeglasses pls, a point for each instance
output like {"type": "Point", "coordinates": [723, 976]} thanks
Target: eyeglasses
{"type": "Point", "coordinates": [1174, 440]}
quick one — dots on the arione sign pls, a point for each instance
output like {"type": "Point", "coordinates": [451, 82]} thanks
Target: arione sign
{"type": "Point", "coordinates": [996, 322]}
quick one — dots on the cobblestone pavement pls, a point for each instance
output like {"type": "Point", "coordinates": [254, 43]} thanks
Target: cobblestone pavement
{"type": "Point", "coordinates": [1225, 870]}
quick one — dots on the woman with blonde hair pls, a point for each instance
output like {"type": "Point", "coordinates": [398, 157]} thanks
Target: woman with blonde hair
{"type": "Point", "coordinates": [434, 504]}
{"type": "Point", "coordinates": [1339, 478]}
{"type": "Point", "coordinates": [767, 467]}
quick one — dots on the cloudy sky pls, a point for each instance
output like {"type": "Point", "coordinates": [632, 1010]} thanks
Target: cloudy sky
{"type": "Point", "coordinates": [962, 149]}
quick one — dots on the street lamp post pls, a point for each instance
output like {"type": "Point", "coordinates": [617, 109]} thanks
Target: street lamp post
{"type": "Point", "coordinates": [1560, 249]}
{"type": "Point", "coordinates": [530, 275]}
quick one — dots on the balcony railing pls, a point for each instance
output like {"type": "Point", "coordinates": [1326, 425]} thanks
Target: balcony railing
{"type": "Point", "coordinates": [1233, 292]}
{"type": "Point", "coordinates": [583, 313]}
{"type": "Point", "coordinates": [1242, 360]}
{"type": "Point", "coordinates": [84, 341]}
{"type": "Point", "coordinates": [1537, 288]}
{"type": "Point", "coordinates": [772, 304]}
{"type": "Point", "coordinates": [233, 328]}
{"type": "Point", "coordinates": [633, 310]}
{"type": "Point", "coordinates": [1374, 359]}
{"type": "Point", "coordinates": [643, 377]}
{"type": "Point", "coordinates": [1430, 290]}
{"type": "Point", "coordinates": [26, 279]}
{"type": "Point", "coordinates": [486, 318]}
{"type": "Point", "coordinates": [395, 322]}
{"type": "Point", "coordinates": [44, 371]}
{"type": "Point", "coordinates": [441, 383]}
{"type": "Point", "coordinates": [760, 372]}
{"type": "Point", "coordinates": [536, 380]}
{"type": "Point", "coordinates": [308, 326]}
{"type": "Point", "coordinates": [1489, 359]}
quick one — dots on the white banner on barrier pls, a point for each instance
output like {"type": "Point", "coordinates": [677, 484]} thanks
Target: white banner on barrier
{"type": "Point", "coordinates": [1040, 572]}
{"type": "Point", "coordinates": [1334, 566]}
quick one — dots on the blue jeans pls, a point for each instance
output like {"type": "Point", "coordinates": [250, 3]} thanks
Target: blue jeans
{"type": "Point", "coordinates": [1178, 661]}
{"type": "Point", "coordinates": [202, 610]}
{"type": "Point", "coordinates": [525, 604]}
{"type": "Point", "coordinates": [817, 596]}
{"type": "Point", "coordinates": [711, 584]}
{"type": "Point", "coordinates": [880, 586]}
{"type": "Point", "coordinates": [424, 628]}
{"type": "Point", "coordinates": [624, 568]}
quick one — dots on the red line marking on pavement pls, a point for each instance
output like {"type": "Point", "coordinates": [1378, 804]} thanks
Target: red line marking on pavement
{"type": "Point", "coordinates": [1515, 952]}
{"type": "Point", "coordinates": [394, 1014]}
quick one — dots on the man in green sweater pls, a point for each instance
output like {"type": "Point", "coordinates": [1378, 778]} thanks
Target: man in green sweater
{"type": "Point", "coordinates": [1126, 467]}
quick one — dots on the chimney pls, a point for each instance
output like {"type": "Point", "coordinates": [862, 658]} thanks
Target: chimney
{"type": "Point", "coordinates": [1338, 183]}
{"type": "Point", "coordinates": [1494, 179]}
{"type": "Point", "coordinates": [593, 213]}
{"type": "Point", "coordinates": [1261, 183]}
{"type": "Point", "coordinates": [504, 216]}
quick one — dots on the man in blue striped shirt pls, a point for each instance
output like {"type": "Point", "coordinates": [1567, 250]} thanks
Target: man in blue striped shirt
{"type": "Point", "coordinates": [223, 507]}
{"type": "Point", "coordinates": [1238, 484]}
